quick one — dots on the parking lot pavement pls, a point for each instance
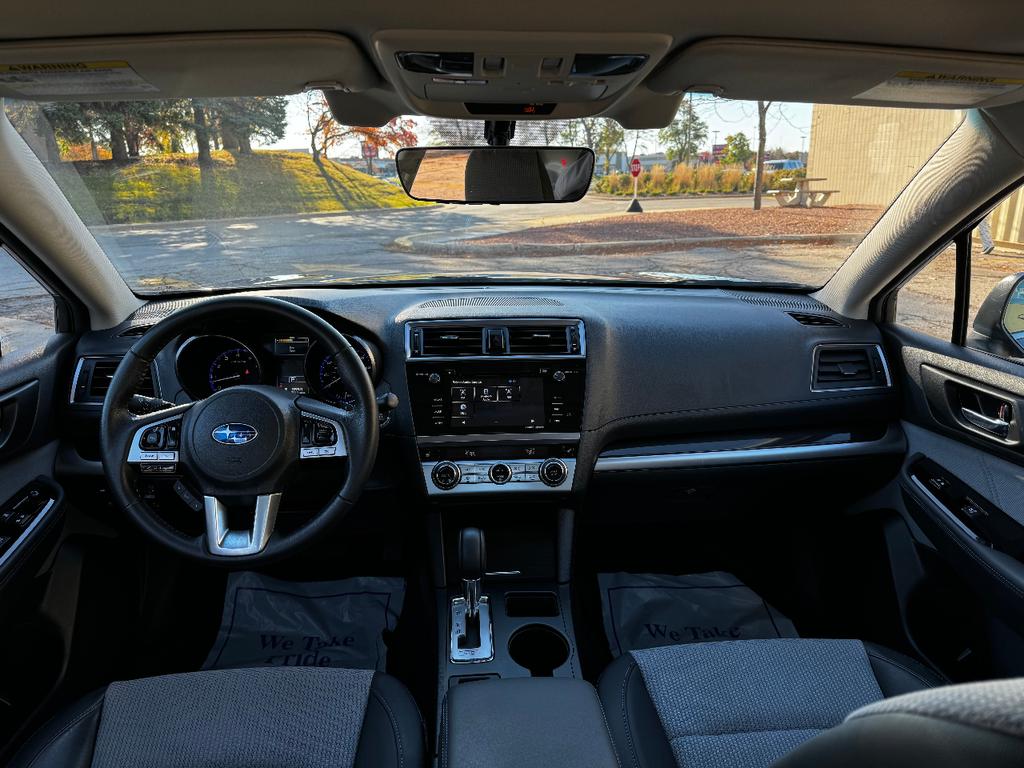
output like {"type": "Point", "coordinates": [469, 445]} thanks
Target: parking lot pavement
{"type": "Point", "coordinates": [242, 251]}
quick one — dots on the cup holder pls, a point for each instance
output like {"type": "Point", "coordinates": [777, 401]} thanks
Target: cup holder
{"type": "Point", "coordinates": [539, 648]}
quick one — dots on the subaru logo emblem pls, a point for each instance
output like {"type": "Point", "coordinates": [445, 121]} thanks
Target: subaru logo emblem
{"type": "Point", "coordinates": [234, 434]}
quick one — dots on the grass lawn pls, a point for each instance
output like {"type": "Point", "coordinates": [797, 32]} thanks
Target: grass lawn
{"type": "Point", "coordinates": [171, 188]}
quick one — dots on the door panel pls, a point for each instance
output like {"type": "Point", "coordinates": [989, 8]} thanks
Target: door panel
{"type": "Point", "coordinates": [962, 482]}
{"type": "Point", "coordinates": [32, 395]}
{"type": "Point", "coordinates": [29, 402]}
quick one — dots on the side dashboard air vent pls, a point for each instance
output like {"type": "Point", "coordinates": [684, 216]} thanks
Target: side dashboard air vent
{"type": "Point", "coordinates": [849, 366]}
{"type": "Point", "coordinates": [135, 331]}
{"type": "Point", "coordinates": [819, 321]}
{"type": "Point", "coordinates": [93, 376]}
{"type": "Point", "coordinates": [445, 341]}
{"type": "Point", "coordinates": [540, 340]}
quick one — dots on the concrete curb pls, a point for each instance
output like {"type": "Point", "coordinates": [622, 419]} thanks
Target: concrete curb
{"type": "Point", "coordinates": [429, 245]}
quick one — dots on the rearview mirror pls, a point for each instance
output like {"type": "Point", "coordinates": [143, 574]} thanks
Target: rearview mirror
{"type": "Point", "coordinates": [999, 325]}
{"type": "Point", "coordinates": [495, 174]}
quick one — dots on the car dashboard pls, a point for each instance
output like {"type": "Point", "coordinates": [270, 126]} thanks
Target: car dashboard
{"type": "Point", "coordinates": [546, 392]}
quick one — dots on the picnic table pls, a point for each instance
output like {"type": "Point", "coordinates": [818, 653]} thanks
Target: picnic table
{"type": "Point", "coordinates": [802, 196]}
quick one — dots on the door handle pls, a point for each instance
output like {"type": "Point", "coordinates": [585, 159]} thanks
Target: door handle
{"type": "Point", "coordinates": [998, 427]}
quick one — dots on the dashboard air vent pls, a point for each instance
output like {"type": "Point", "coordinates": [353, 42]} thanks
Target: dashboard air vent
{"type": "Point", "coordinates": [849, 366]}
{"type": "Point", "coordinates": [134, 331]}
{"type": "Point", "coordinates": [823, 321]}
{"type": "Point", "coordinates": [99, 381]}
{"type": "Point", "coordinates": [93, 377]}
{"type": "Point", "coordinates": [539, 340]}
{"type": "Point", "coordinates": [444, 341]}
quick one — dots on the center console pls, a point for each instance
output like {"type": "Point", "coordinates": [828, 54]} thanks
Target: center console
{"type": "Point", "coordinates": [498, 404]}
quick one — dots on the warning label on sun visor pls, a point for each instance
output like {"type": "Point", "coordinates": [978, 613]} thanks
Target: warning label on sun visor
{"type": "Point", "coordinates": [74, 78]}
{"type": "Point", "coordinates": [937, 88]}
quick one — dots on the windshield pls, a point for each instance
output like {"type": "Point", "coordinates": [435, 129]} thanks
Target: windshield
{"type": "Point", "coordinates": [189, 195]}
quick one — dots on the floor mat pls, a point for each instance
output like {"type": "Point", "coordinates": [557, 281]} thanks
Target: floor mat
{"type": "Point", "coordinates": [645, 610]}
{"type": "Point", "coordinates": [268, 622]}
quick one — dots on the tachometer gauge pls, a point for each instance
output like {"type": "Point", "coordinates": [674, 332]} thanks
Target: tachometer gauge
{"type": "Point", "coordinates": [329, 383]}
{"type": "Point", "coordinates": [233, 367]}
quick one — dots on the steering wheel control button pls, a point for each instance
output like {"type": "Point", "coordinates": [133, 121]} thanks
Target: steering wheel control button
{"type": "Point", "coordinates": [153, 438]}
{"type": "Point", "coordinates": [191, 500]}
{"type": "Point", "coordinates": [446, 475]}
{"type": "Point", "coordinates": [320, 437]}
{"type": "Point", "coordinates": [154, 448]}
{"type": "Point", "coordinates": [324, 434]}
{"type": "Point", "coordinates": [553, 472]}
{"type": "Point", "coordinates": [500, 473]}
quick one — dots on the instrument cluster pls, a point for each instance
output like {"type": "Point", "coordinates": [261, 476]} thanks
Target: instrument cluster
{"type": "Point", "coordinates": [209, 363]}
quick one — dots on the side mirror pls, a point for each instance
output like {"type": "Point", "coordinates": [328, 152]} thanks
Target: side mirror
{"type": "Point", "coordinates": [999, 325]}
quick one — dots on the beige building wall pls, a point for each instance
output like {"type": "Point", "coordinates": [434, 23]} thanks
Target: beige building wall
{"type": "Point", "coordinates": [1007, 220]}
{"type": "Point", "coordinates": [870, 153]}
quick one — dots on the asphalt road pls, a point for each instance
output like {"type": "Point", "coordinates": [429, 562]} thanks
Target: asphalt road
{"type": "Point", "coordinates": [275, 249]}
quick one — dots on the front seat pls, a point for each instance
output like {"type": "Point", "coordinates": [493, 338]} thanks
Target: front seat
{"type": "Point", "coordinates": [293, 717]}
{"type": "Point", "coordinates": [744, 703]}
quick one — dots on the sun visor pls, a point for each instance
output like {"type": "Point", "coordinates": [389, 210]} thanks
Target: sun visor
{"type": "Point", "coordinates": [169, 66]}
{"type": "Point", "coordinates": [830, 73]}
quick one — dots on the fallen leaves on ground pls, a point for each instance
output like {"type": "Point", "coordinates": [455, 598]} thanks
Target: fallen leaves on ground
{"type": "Point", "coordinates": [707, 222]}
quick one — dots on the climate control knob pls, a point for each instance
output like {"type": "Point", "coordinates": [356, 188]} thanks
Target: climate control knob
{"type": "Point", "coordinates": [500, 473]}
{"type": "Point", "coordinates": [553, 472]}
{"type": "Point", "coordinates": [446, 475]}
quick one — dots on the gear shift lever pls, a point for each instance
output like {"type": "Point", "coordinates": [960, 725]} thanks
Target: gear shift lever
{"type": "Point", "coordinates": [472, 564]}
{"type": "Point", "coordinates": [472, 639]}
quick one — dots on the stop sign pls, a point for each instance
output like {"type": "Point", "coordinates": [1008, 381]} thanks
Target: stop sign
{"type": "Point", "coordinates": [634, 166]}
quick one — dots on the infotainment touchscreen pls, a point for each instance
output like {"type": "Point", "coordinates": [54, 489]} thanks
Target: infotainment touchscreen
{"type": "Point", "coordinates": [501, 396]}
{"type": "Point", "coordinates": [497, 401]}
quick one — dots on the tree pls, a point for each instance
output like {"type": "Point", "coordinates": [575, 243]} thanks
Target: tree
{"type": "Point", "coordinates": [582, 132]}
{"type": "Point", "coordinates": [202, 130]}
{"type": "Point", "coordinates": [456, 133]}
{"type": "Point", "coordinates": [684, 136]}
{"type": "Point", "coordinates": [762, 114]}
{"type": "Point", "coordinates": [737, 149]}
{"type": "Point", "coordinates": [325, 132]}
{"type": "Point", "coordinates": [609, 141]}
{"type": "Point", "coordinates": [539, 132]}
{"type": "Point", "coordinates": [48, 127]}
{"type": "Point", "coordinates": [240, 121]}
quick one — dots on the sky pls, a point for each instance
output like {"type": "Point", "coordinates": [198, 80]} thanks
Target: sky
{"type": "Point", "coordinates": [786, 124]}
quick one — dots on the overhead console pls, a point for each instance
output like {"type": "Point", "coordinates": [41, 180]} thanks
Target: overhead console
{"type": "Point", "coordinates": [515, 75]}
{"type": "Point", "coordinates": [497, 404]}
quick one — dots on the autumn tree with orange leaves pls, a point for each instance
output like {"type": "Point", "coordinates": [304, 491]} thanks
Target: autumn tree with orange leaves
{"type": "Point", "coordinates": [325, 132]}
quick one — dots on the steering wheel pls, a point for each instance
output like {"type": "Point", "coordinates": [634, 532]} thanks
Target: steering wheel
{"type": "Point", "coordinates": [240, 446]}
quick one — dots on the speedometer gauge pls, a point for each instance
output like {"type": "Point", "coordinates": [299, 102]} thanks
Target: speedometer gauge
{"type": "Point", "coordinates": [233, 367]}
